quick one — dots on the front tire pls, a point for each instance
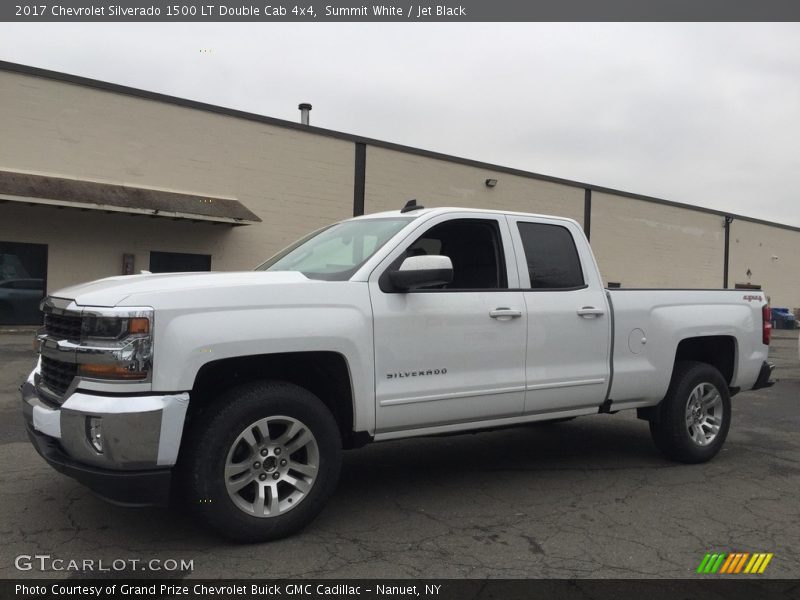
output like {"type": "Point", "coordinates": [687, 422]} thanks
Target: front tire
{"type": "Point", "coordinates": [262, 462]}
{"type": "Point", "coordinates": [693, 419]}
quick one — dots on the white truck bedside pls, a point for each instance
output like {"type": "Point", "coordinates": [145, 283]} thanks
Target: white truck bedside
{"type": "Point", "coordinates": [235, 393]}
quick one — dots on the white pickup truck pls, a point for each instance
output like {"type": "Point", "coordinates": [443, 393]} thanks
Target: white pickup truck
{"type": "Point", "coordinates": [235, 393]}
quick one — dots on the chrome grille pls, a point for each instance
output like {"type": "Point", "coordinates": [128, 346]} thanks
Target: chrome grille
{"type": "Point", "coordinates": [63, 327]}
{"type": "Point", "coordinates": [57, 375]}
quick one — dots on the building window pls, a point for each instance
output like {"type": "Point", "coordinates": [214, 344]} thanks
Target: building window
{"type": "Point", "coordinates": [178, 262]}
{"type": "Point", "coordinates": [23, 273]}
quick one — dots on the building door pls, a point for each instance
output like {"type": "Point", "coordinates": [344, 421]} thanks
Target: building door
{"type": "Point", "coordinates": [178, 262]}
{"type": "Point", "coordinates": [23, 275]}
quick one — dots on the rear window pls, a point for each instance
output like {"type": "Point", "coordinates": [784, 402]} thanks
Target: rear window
{"type": "Point", "coordinates": [551, 255]}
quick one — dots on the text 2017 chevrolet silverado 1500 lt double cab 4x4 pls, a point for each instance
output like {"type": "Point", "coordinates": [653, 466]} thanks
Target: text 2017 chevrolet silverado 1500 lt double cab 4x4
{"type": "Point", "coordinates": [238, 391]}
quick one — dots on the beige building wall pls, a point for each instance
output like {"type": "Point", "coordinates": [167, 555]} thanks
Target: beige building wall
{"type": "Point", "coordinates": [394, 177]}
{"type": "Point", "coordinates": [772, 255]}
{"type": "Point", "coordinates": [88, 245]}
{"type": "Point", "coordinates": [294, 181]}
{"type": "Point", "coordinates": [297, 181]}
{"type": "Point", "coordinates": [645, 244]}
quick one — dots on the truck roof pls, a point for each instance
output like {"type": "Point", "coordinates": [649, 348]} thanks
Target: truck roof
{"type": "Point", "coordinates": [448, 209]}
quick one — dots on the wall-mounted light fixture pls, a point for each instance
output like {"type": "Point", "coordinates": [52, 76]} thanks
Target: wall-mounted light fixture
{"type": "Point", "coordinates": [491, 182]}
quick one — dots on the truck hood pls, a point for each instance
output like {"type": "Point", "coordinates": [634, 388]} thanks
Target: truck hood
{"type": "Point", "coordinates": [114, 291]}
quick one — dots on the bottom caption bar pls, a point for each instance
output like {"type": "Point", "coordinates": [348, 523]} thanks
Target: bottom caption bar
{"type": "Point", "coordinates": [364, 589]}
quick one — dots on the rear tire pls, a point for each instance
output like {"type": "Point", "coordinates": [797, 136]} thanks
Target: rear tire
{"type": "Point", "coordinates": [262, 461]}
{"type": "Point", "coordinates": [693, 419]}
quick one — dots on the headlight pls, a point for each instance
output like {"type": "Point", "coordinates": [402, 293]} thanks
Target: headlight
{"type": "Point", "coordinates": [113, 328]}
{"type": "Point", "coordinates": [117, 347]}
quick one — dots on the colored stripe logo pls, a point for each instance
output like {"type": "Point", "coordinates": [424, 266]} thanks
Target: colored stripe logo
{"type": "Point", "coordinates": [735, 563]}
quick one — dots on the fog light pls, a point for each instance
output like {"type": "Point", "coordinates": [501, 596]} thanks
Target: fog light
{"type": "Point", "coordinates": [94, 433]}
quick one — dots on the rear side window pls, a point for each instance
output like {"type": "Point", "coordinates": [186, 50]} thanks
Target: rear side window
{"type": "Point", "coordinates": [551, 255]}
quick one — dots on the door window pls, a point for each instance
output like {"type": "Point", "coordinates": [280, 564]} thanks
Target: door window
{"type": "Point", "coordinates": [551, 255]}
{"type": "Point", "coordinates": [474, 247]}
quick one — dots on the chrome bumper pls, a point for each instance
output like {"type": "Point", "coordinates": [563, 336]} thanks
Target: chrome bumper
{"type": "Point", "coordinates": [148, 487]}
{"type": "Point", "coordinates": [139, 432]}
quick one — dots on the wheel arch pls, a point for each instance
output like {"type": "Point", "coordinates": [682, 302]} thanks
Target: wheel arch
{"type": "Point", "coordinates": [326, 374]}
{"type": "Point", "coordinates": [719, 351]}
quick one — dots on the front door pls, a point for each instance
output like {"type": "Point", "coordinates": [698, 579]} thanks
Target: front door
{"type": "Point", "coordinates": [456, 353]}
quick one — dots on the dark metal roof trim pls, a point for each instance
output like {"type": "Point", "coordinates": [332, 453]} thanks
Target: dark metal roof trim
{"type": "Point", "coordinates": [41, 189]}
{"type": "Point", "coordinates": [130, 91]}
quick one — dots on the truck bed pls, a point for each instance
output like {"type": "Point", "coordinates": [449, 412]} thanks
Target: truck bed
{"type": "Point", "coordinates": [648, 328]}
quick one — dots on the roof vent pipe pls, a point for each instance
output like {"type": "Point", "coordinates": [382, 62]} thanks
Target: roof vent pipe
{"type": "Point", "coordinates": [305, 109]}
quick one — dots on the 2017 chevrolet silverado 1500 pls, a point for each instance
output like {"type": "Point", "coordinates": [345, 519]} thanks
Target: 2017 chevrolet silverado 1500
{"type": "Point", "coordinates": [236, 392]}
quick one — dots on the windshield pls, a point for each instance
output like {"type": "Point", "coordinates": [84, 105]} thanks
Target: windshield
{"type": "Point", "coordinates": [336, 252]}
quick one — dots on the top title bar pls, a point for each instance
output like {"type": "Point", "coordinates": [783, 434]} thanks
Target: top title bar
{"type": "Point", "coordinates": [398, 11]}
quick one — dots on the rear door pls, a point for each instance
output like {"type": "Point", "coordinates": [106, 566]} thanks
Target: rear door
{"type": "Point", "coordinates": [569, 326]}
{"type": "Point", "coordinates": [455, 353]}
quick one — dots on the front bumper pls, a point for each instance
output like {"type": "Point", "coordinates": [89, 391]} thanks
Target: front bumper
{"type": "Point", "coordinates": [130, 488]}
{"type": "Point", "coordinates": [141, 438]}
{"type": "Point", "coordinates": [764, 376]}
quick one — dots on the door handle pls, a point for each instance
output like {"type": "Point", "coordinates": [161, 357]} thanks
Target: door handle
{"type": "Point", "coordinates": [504, 313]}
{"type": "Point", "coordinates": [590, 312]}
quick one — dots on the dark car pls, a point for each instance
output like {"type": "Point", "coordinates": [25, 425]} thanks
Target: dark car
{"type": "Point", "coordinates": [19, 301]}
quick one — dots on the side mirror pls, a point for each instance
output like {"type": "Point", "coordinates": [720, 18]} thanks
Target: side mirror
{"type": "Point", "coordinates": [422, 271]}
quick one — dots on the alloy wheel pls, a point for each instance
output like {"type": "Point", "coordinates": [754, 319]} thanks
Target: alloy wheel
{"type": "Point", "coordinates": [704, 413]}
{"type": "Point", "coordinates": [271, 466]}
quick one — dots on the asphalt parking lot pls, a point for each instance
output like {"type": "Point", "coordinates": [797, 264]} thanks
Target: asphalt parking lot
{"type": "Point", "coordinates": [587, 498]}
